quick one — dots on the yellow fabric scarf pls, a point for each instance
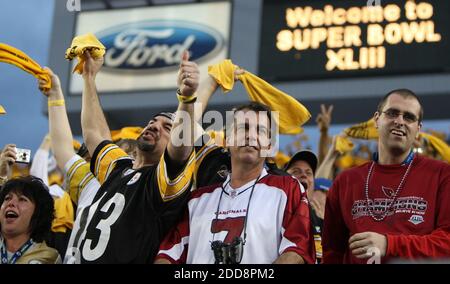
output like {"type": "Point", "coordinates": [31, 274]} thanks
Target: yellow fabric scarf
{"type": "Point", "coordinates": [343, 145]}
{"type": "Point", "coordinates": [440, 146]}
{"type": "Point", "coordinates": [130, 132]}
{"type": "Point", "coordinates": [292, 114]}
{"type": "Point", "coordinates": [16, 57]}
{"type": "Point", "coordinates": [364, 130]}
{"type": "Point", "coordinates": [82, 43]}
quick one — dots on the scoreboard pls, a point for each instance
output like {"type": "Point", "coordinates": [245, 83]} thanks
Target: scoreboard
{"type": "Point", "coordinates": [344, 38]}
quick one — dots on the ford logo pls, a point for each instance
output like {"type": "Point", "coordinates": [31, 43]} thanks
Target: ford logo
{"type": "Point", "coordinates": [157, 45]}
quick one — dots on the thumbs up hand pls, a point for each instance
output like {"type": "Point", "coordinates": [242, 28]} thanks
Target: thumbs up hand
{"type": "Point", "coordinates": [188, 76]}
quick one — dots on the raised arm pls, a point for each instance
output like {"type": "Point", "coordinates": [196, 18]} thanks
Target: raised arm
{"type": "Point", "coordinates": [326, 168]}
{"type": "Point", "coordinates": [7, 160]}
{"type": "Point", "coordinates": [93, 122]}
{"type": "Point", "coordinates": [188, 81]}
{"type": "Point", "coordinates": [59, 127]}
{"type": "Point", "coordinates": [323, 121]}
{"type": "Point", "coordinates": [39, 166]}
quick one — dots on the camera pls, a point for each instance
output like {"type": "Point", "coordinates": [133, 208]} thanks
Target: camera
{"type": "Point", "coordinates": [23, 155]}
{"type": "Point", "coordinates": [225, 253]}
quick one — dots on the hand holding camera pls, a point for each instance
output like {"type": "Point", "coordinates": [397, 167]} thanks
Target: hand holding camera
{"type": "Point", "coordinates": [23, 156]}
{"type": "Point", "coordinates": [7, 159]}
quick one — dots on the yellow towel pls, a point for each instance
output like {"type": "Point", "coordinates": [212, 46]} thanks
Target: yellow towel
{"type": "Point", "coordinates": [64, 214]}
{"type": "Point", "coordinates": [365, 130]}
{"type": "Point", "coordinates": [343, 145]}
{"type": "Point", "coordinates": [16, 57]}
{"type": "Point", "coordinates": [440, 146]}
{"type": "Point", "coordinates": [2, 110]}
{"type": "Point", "coordinates": [281, 159]}
{"type": "Point", "coordinates": [130, 132]}
{"type": "Point", "coordinates": [292, 114]}
{"type": "Point", "coordinates": [82, 43]}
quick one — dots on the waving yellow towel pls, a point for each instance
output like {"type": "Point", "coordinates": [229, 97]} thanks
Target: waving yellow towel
{"type": "Point", "coordinates": [343, 144]}
{"type": "Point", "coordinates": [292, 113]}
{"type": "Point", "coordinates": [129, 132]}
{"type": "Point", "coordinates": [440, 146]}
{"type": "Point", "coordinates": [82, 43]}
{"type": "Point", "coordinates": [16, 57]}
{"type": "Point", "coordinates": [364, 130]}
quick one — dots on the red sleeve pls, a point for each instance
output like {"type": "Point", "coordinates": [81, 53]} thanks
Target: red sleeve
{"type": "Point", "coordinates": [335, 234]}
{"type": "Point", "coordinates": [174, 247]}
{"type": "Point", "coordinates": [434, 245]}
{"type": "Point", "coordinates": [298, 236]}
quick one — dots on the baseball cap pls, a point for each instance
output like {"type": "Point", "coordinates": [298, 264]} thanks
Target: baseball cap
{"type": "Point", "coordinates": [322, 184]}
{"type": "Point", "coordinates": [304, 155]}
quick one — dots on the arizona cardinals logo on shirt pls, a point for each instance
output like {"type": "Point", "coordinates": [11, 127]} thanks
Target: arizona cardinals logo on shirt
{"type": "Point", "coordinates": [389, 192]}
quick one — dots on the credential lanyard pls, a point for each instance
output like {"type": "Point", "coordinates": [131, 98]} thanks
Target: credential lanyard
{"type": "Point", "coordinates": [17, 254]}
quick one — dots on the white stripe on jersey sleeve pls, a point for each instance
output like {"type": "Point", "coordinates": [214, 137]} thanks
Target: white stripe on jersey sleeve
{"type": "Point", "coordinates": [177, 250]}
{"type": "Point", "coordinates": [285, 243]}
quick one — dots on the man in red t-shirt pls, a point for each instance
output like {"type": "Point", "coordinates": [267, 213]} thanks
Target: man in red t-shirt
{"type": "Point", "coordinates": [395, 207]}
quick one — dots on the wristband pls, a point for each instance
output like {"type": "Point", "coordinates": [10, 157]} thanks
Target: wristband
{"type": "Point", "coordinates": [55, 103]}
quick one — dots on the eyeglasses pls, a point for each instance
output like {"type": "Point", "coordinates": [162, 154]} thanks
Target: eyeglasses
{"type": "Point", "coordinates": [407, 116]}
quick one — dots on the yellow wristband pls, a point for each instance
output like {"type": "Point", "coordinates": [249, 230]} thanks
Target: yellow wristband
{"type": "Point", "coordinates": [56, 103]}
{"type": "Point", "coordinates": [184, 99]}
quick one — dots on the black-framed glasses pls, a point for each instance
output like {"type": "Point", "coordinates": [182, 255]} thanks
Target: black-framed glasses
{"type": "Point", "coordinates": [407, 116]}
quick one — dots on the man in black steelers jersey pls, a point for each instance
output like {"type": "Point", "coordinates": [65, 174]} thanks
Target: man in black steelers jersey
{"type": "Point", "coordinates": [138, 202]}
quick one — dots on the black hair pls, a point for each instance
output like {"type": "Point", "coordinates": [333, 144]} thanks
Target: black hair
{"type": "Point", "coordinates": [252, 106]}
{"type": "Point", "coordinates": [404, 93]}
{"type": "Point", "coordinates": [34, 189]}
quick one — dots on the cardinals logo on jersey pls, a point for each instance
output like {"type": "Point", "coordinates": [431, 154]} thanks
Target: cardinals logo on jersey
{"type": "Point", "coordinates": [389, 192]}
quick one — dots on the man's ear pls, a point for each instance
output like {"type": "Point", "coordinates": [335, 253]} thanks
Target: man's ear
{"type": "Point", "coordinates": [376, 116]}
{"type": "Point", "coordinates": [419, 128]}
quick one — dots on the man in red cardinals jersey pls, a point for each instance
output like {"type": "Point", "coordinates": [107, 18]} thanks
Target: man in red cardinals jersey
{"type": "Point", "coordinates": [396, 206]}
{"type": "Point", "coordinates": [252, 217]}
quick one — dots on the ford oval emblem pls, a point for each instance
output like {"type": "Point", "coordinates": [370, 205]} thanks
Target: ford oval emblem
{"type": "Point", "coordinates": [157, 45]}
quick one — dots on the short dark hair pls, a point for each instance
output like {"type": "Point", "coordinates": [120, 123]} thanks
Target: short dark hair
{"type": "Point", "coordinates": [253, 106]}
{"type": "Point", "coordinates": [405, 93]}
{"type": "Point", "coordinates": [34, 189]}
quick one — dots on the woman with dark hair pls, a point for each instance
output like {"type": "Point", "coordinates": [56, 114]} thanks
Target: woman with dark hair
{"type": "Point", "coordinates": [26, 215]}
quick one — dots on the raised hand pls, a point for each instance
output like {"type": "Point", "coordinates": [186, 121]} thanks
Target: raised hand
{"type": "Point", "coordinates": [323, 119]}
{"type": "Point", "coordinates": [91, 65]}
{"type": "Point", "coordinates": [7, 160]}
{"type": "Point", "coordinates": [55, 91]}
{"type": "Point", "coordinates": [188, 76]}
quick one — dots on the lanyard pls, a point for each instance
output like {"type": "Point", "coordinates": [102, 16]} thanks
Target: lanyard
{"type": "Point", "coordinates": [17, 254]}
{"type": "Point", "coordinates": [407, 161]}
